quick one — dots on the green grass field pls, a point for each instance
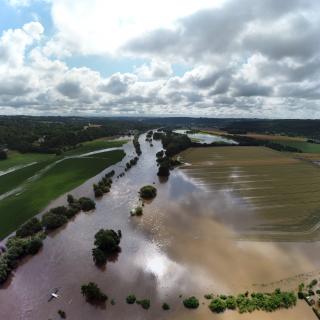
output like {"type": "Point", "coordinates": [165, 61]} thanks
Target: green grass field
{"type": "Point", "coordinates": [20, 159]}
{"type": "Point", "coordinates": [61, 178]}
{"type": "Point", "coordinates": [304, 146]}
{"type": "Point", "coordinates": [94, 145]}
{"type": "Point", "coordinates": [280, 193]}
{"type": "Point", "coordinates": [37, 191]}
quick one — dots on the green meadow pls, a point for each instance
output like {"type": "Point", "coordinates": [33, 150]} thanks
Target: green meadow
{"type": "Point", "coordinates": [48, 179]}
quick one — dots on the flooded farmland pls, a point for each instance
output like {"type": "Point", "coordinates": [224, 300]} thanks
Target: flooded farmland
{"type": "Point", "coordinates": [188, 242]}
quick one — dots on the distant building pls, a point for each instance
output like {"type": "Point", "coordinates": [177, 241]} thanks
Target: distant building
{"type": "Point", "coordinates": [90, 125]}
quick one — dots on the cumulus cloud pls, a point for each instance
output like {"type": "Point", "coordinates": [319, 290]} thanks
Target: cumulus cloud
{"type": "Point", "coordinates": [244, 58]}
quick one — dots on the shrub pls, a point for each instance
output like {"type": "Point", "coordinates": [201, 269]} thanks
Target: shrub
{"type": "Point", "coordinates": [165, 306]}
{"type": "Point", "coordinates": [301, 295]}
{"type": "Point", "coordinates": [131, 299]}
{"type": "Point", "coordinates": [145, 303]}
{"type": "Point", "coordinates": [208, 296]}
{"type": "Point", "coordinates": [52, 221]}
{"type": "Point", "coordinates": [218, 305]}
{"type": "Point", "coordinates": [138, 211]}
{"type": "Point", "coordinates": [92, 293]}
{"type": "Point", "coordinates": [29, 228]}
{"type": "Point", "coordinates": [87, 204]}
{"type": "Point", "coordinates": [191, 303]}
{"type": "Point", "coordinates": [231, 303]}
{"type": "Point", "coordinates": [148, 192]}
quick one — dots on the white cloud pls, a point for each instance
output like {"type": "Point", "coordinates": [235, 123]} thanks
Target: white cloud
{"type": "Point", "coordinates": [155, 70]}
{"type": "Point", "coordinates": [249, 58]}
{"type": "Point", "coordinates": [99, 26]}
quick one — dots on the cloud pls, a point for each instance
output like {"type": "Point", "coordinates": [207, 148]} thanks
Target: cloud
{"type": "Point", "coordinates": [243, 58]}
{"type": "Point", "coordinates": [155, 70]}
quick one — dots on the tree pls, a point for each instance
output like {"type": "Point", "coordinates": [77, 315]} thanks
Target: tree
{"type": "Point", "coordinates": [131, 299]}
{"type": "Point", "coordinates": [165, 306]}
{"type": "Point", "coordinates": [164, 171]}
{"type": "Point", "coordinates": [148, 192]}
{"type": "Point", "coordinates": [70, 199]}
{"type": "Point", "coordinates": [99, 257]}
{"type": "Point", "coordinates": [145, 303]}
{"type": "Point", "coordinates": [218, 305]}
{"type": "Point", "coordinates": [107, 241]}
{"type": "Point", "coordinates": [29, 228]}
{"type": "Point", "coordinates": [92, 293]}
{"type": "Point", "coordinates": [3, 155]}
{"type": "Point", "coordinates": [87, 204]}
{"type": "Point", "coordinates": [191, 303]}
{"type": "Point", "coordinates": [34, 246]}
{"type": "Point", "coordinates": [52, 221]}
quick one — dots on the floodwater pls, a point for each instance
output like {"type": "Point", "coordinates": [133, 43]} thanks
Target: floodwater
{"type": "Point", "coordinates": [184, 244]}
{"type": "Point", "coordinates": [206, 138]}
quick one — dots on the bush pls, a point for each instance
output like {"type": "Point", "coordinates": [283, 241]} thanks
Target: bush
{"type": "Point", "coordinates": [145, 303]}
{"type": "Point", "coordinates": [52, 221]}
{"type": "Point", "coordinates": [138, 211]}
{"type": "Point", "coordinates": [86, 204]}
{"type": "Point", "coordinates": [99, 257]}
{"type": "Point", "coordinates": [191, 303]}
{"type": "Point", "coordinates": [5, 270]}
{"type": "Point", "coordinates": [148, 192]}
{"type": "Point", "coordinates": [62, 210]}
{"type": "Point", "coordinates": [165, 306]}
{"type": "Point", "coordinates": [98, 193]}
{"type": "Point", "coordinates": [131, 299]}
{"type": "Point", "coordinates": [34, 246]}
{"type": "Point", "coordinates": [29, 228]}
{"type": "Point", "coordinates": [92, 293]}
{"type": "Point", "coordinates": [301, 295]}
{"type": "Point", "coordinates": [231, 303]}
{"type": "Point", "coordinates": [70, 199]}
{"type": "Point", "coordinates": [208, 296]}
{"type": "Point", "coordinates": [218, 305]}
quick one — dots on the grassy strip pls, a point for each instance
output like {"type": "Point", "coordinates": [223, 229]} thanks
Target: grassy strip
{"type": "Point", "coordinates": [304, 146]}
{"type": "Point", "coordinates": [19, 159]}
{"type": "Point", "coordinates": [12, 180]}
{"type": "Point", "coordinates": [60, 179]}
{"type": "Point", "coordinates": [94, 146]}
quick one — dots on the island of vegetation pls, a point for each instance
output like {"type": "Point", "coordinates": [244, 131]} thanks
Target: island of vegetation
{"type": "Point", "coordinates": [148, 192]}
{"type": "Point", "coordinates": [106, 244]}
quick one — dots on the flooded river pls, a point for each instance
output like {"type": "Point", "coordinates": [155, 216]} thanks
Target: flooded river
{"type": "Point", "coordinates": [180, 246]}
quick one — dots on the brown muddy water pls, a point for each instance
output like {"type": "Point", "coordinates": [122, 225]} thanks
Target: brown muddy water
{"type": "Point", "coordinates": [184, 244]}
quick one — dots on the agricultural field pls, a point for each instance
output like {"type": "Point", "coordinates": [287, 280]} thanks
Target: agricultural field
{"type": "Point", "coordinates": [94, 145]}
{"type": "Point", "coordinates": [17, 159]}
{"type": "Point", "coordinates": [35, 181]}
{"type": "Point", "coordinates": [277, 194]}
